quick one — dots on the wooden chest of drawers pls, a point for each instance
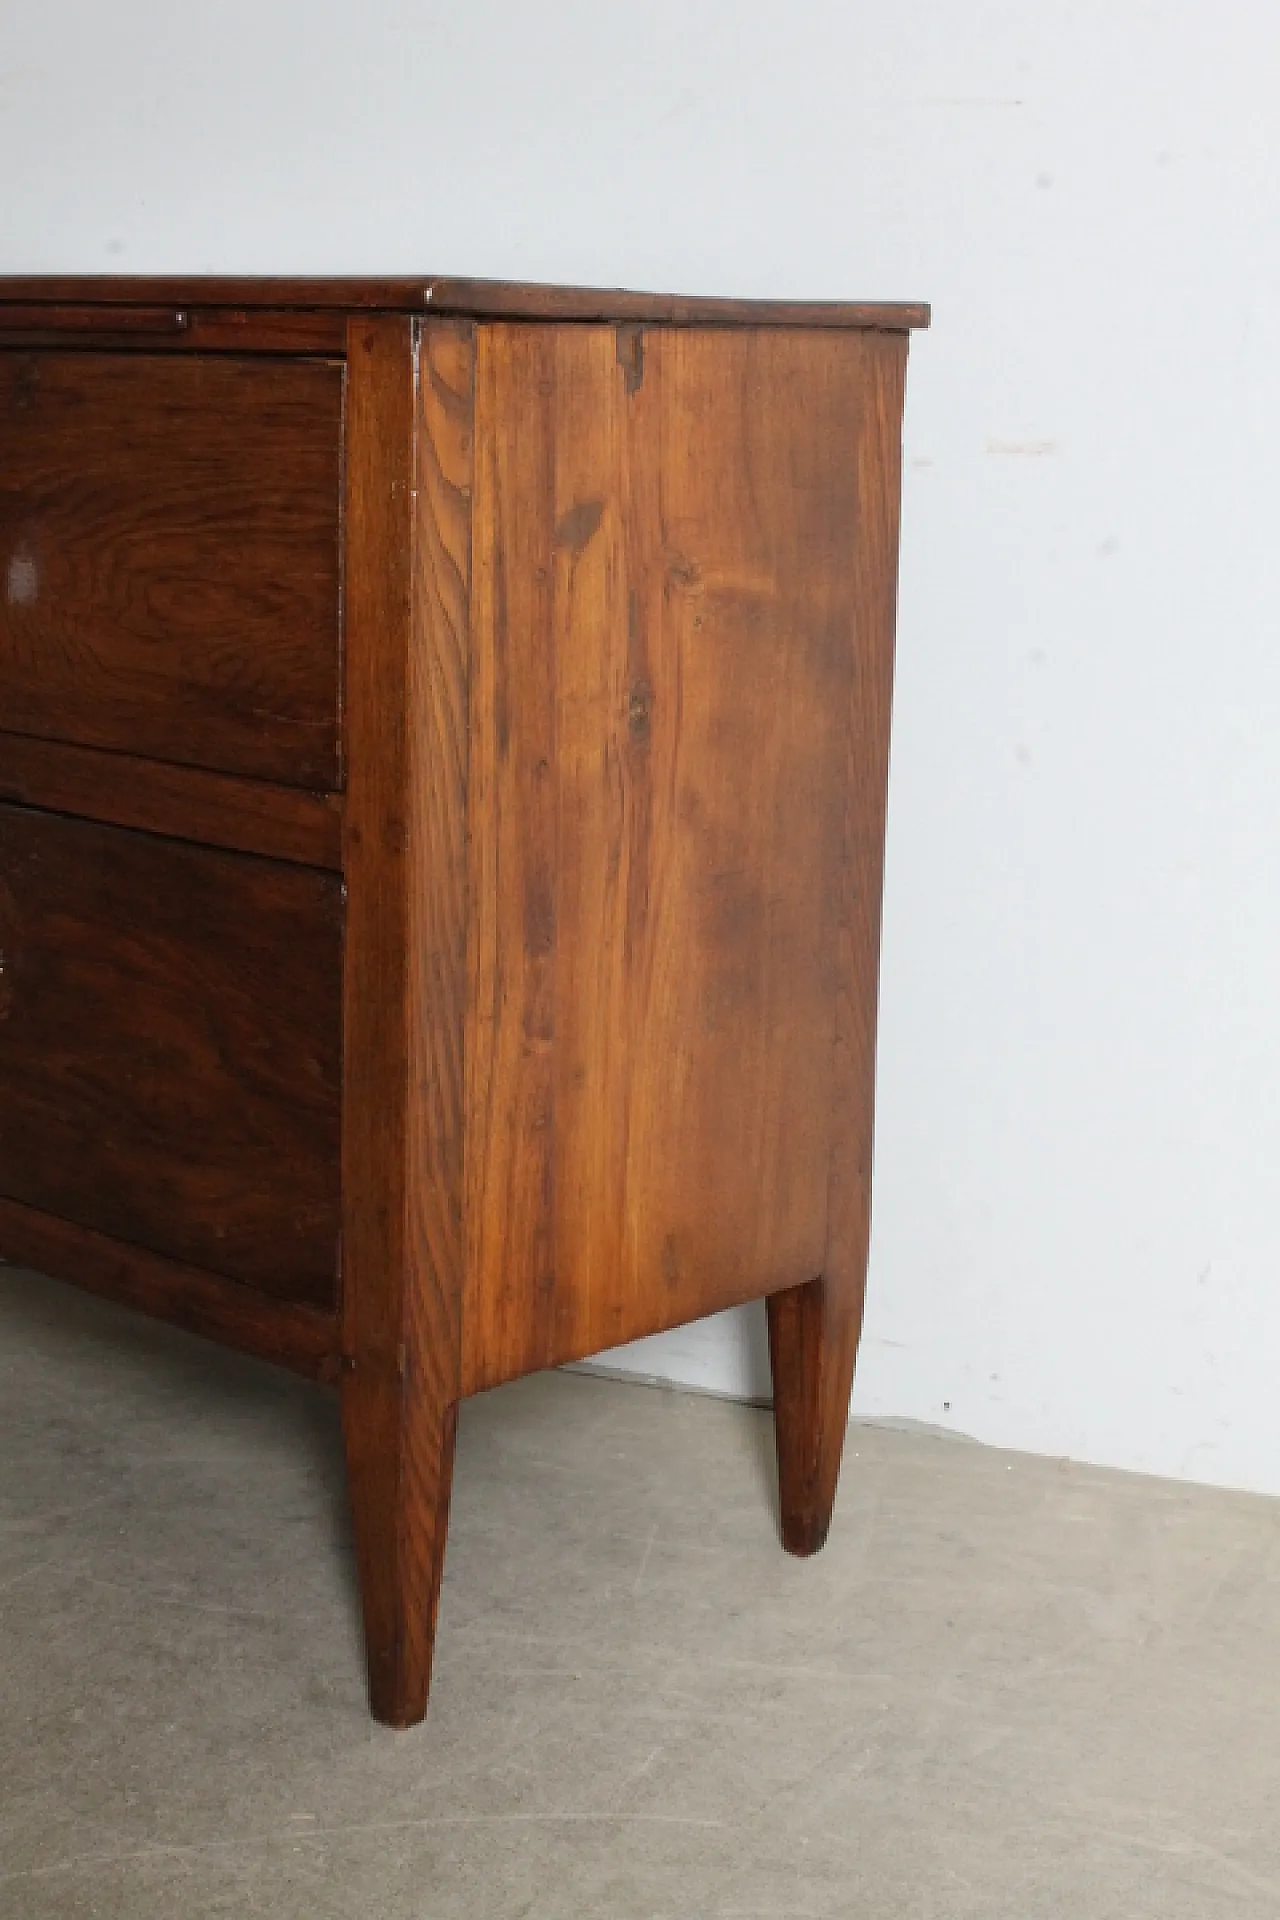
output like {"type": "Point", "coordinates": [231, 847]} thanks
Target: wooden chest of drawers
{"type": "Point", "coordinates": [443, 735]}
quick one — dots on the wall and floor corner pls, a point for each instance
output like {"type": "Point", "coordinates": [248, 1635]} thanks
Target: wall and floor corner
{"type": "Point", "coordinates": [1075, 1239]}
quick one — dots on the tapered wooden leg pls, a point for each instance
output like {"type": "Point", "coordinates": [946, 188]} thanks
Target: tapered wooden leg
{"type": "Point", "coordinates": [409, 434]}
{"type": "Point", "coordinates": [400, 1469]}
{"type": "Point", "coordinates": [813, 1342]}
{"type": "Point", "coordinates": [814, 1329]}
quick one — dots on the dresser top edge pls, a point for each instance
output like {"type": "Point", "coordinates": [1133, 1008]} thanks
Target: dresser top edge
{"type": "Point", "coordinates": [477, 299]}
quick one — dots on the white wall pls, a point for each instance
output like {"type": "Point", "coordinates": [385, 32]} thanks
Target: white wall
{"type": "Point", "coordinates": [1077, 1241]}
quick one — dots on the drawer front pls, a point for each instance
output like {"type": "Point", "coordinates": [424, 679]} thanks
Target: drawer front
{"type": "Point", "coordinates": [170, 558]}
{"type": "Point", "coordinates": [170, 1048]}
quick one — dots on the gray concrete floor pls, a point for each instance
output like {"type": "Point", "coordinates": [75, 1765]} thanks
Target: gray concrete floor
{"type": "Point", "coordinates": [1008, 1687]}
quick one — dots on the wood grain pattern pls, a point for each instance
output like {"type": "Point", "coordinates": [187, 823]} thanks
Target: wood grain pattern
{"type": "Point", "coordinates": [169, 1048]}
{"type": "Point", "coordinates": [664, 634]}
{"type": "Point", "coordinates": [299, 1337]}
{"type": "Point", "coordinates": [184, 803]}
{"type": "Point", "coordinates": [408, 515]}
{"type": "Point", "coordinates": [814, 1329]}
{"type": "Point", "coordinates": [169, 558]}
{"type": "Point", "coordinates": [477, 299]}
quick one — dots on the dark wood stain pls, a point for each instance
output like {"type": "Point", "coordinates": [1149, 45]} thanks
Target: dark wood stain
{"type": "Point", "coordinates": [169, 559]}
{"type": "Point", "coordinates": [79, 320]}
{"type": "Point", "coordinates": [630, 348]}
{"type": "Point", "coordinates": [578, 525]}
{"type": "Point", "coordinates": [173, 329]}
{"type": "Point", "coordinates": [305, 1339]}
{"type": "Point", "coordinates": [170, 1062]}
{"type": "Point", "coordinates": [183, 803]}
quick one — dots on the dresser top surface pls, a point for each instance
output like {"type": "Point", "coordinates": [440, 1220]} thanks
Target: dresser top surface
{"type": "Point", "coordinates": [481, 299]}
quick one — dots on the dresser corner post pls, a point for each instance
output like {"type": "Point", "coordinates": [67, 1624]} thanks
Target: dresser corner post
{"type": "Point", "coordinates": [814, 1329]}
{"type": "Point", "coordinates": [409, 428]}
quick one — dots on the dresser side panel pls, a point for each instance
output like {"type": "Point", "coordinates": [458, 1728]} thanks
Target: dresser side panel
{"type": "Point", "coordinates": [666, 635]}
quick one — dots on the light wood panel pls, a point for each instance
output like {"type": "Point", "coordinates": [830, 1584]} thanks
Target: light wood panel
{"type": "Point", "coordinates": [170, 1048]}
{"type": "Point", "coordinates": [665, 624]}
{"type": "Point", "coordinates": [307, 1339]}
